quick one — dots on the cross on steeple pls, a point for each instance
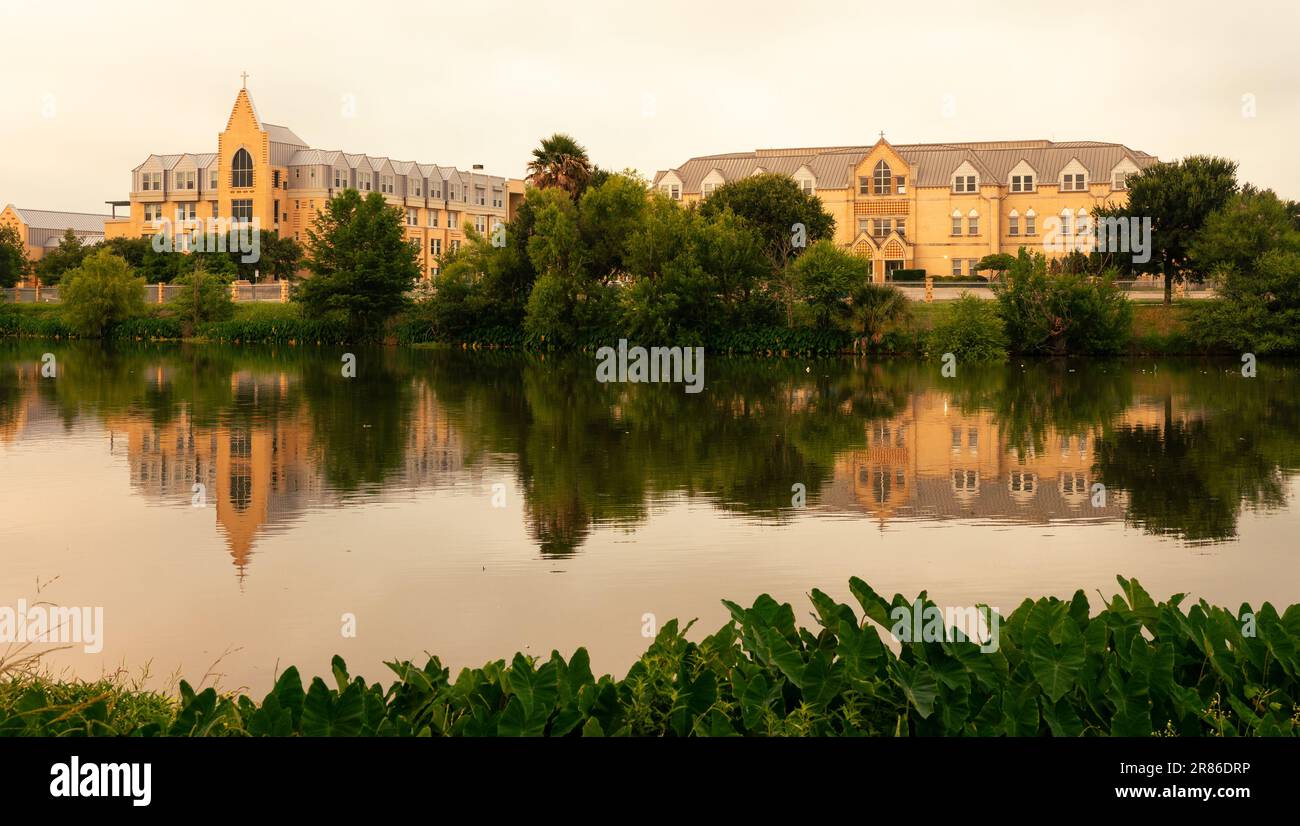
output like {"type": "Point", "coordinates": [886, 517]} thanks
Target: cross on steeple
{"type": "Point", "coordinates": [882, 134]}
{"type": "Point", "coordinates": [244, 75]}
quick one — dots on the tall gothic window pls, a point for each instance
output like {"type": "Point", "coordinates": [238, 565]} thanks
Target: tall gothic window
{"type": "Point", "coordinates": [241, 169]}
{"type": "Point", "coordinates": [884, 179]}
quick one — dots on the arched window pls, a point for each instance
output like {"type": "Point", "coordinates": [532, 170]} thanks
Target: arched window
{"type": "Point", "coordinates": [884, 179]}
{"type": "Point", "coordinates": [241, 169]}
{"type": "Point", "coordinates": [1066, 217]}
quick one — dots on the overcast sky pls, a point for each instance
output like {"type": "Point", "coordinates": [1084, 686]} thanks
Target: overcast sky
{"type": "Point", "coordinates": [94, 87]}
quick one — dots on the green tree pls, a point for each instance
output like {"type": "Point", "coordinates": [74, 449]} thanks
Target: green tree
{"type": "Point", "coordinates": [100, 293]}
{"type": "Point", "coordinates": [68, 255]}
{"type": "Point", "coordinates": [362, 265]}
{"type": "Point", "coordinates": [825, 277]}
{"type": "Point", "coordinates": [1178, 197]}
{"type": "Point", "coordinates": [1257, 310]}
{"type": "Point", "coordinates": [1252, 223]}
{"type": "Point", "coordinates": [204, 296]}
{"type": "Point", "coordinates": [13, 256]}
{"type": "Point", "coordinates": [560, 162]}
{"type": "Point", "coordinates": [972, 331]}
{"type": "Point", "coordinates": [786, 218]}
{"type": "Point", "coordinates": [998, 262]}
{"type": "Point", "coordinates": [1058, 314]}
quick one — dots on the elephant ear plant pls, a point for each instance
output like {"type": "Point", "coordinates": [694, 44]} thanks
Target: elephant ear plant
{"type": "Point", "coordinates": [1136, 668]}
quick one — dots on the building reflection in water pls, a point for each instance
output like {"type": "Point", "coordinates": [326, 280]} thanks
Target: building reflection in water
{"type": "Point", "coordinates": [267, 450]}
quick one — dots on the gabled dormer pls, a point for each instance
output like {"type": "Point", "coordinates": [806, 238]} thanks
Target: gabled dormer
{"type": "Point", "coordinates": [1022, 178]}
{"type": "Point", "coordinates": [806, 180]}
{"type": "Point", "coordinates": [1074, 177]}
{"type": "Point", "coordinates": [711, 182]}
{"type": "Point", "coordinates": [671, 185]}
{"type": "Point", "coordinates": [965, 179]}
{"type": "Point", "coordinates": [1119, 174]}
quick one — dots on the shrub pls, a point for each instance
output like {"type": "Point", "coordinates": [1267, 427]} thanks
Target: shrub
{"type": "Point", "coordinates": [103, 291]}
{"type": "Point", "coordinates": [972, 331]}
{"type": "Point", "coordinates": [204, 296]}
{"type": "Point", "coordinates": [1257, 311]}
{"type": "Point", "coordinates": [826, 276]}
{"type": "Point", "coordinates": [907, 275]}
{"type": "Point", "coordinates": [1059, 314]}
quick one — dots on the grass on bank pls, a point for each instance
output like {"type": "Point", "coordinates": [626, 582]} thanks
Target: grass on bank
{"type": "Point", "coordinates": [1157, 329]}
{"type": "Point", "coordinates": [1137, 668]}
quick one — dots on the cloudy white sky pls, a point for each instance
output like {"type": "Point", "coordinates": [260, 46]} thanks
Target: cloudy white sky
{"type": "Point", "coordinates": [94, 87]}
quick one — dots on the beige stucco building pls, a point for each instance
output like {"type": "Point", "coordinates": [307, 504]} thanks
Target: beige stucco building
{"type": "Point", "coordinates": [266, 172]}
{"type": "Point", "coordinates": [937, 207]}
{"type": "Point", "coordinates": [43, 229]}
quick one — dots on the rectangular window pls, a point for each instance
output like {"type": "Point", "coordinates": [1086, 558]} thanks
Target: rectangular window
{"type": "Point", "coordinates": [412, 217]}
{"type": "Point", "coordinates": [1022, 183]}
{"type": "Point", "coordinates": [338, 179]}
{"type": "Point", "coordinates": [479, 196]}
{"type": "Point", "coordinates": [455, 245]}
{"type": "Point", "coordinates": [807, 186]}
{"type": "Point", "coordinates": [900, 226]}
{"type": "Point", "coordinates": [900, 184]}
{"type": "Point", "coordinates": [707, 189]}
{"type": "Point", "coordinates": [188, 180]}
{"type": "Point", "coordinates": [212, 205]}
{"type": "Point", "coordinates": [241, 210]}
{"type": "Point", "coordinates": [863, 184]}
{"type": "Point", "coordinates": [1119, 181]}
{"type": "Point", "coordinates": [435, 246]}
{"type": "Point", "coordinates": [480, 224]}
{"type": "Point", "coordinates": [452, 218]}
{"type": "Point", "coordinates": [963, 183]}
{"type": "Point", "coordinates": [1013, 225]}
{"type": "Point", "coordinates": [433, 217]}
{"type": "Point", "coordinates": [1072, 183]}
{"type": "Point", "coordinates": [675, 192]}
{"type": "Point", "coordinates": [1029, 225]}
{"type": "Point", "coordinates": [275, 211]}
{"type": "Point", "coordinates": [956, 266]}
{"type": "Point", "coordinates": [186, 212]}
{"type": "Point", "coordinates": [972, 266]}
{"type": "Point", "coordinates": [973, 225]}
{"type": "Point", "coordinates": [864, 225]}
{"type": "Point", "coordinates": [882, 227]}
{"type": "Point", "coordinates": [956, 225]}
{"type": "Point", "coordinates": [213, 183]}
{"type": "Point", "coordinates": [413, 189]}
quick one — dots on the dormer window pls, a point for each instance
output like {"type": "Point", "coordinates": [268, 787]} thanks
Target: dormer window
{"type": "Point", "coordinates": [806, 184]}
{"type": "Point", "coordinates": [1022, 183]}
{"type": "Point", "coordinates": [1119, 180]}
{"type": "Point", "coordinates": [883, 179]}
{"type": "Point", "coordinates": [963, 183]}
{"type": "Point", "coordinates": [1073, 183]}
{"type": "Point", "coordinates": [673, 191]}
{"type": "Point", "coordinates": [706, 189]}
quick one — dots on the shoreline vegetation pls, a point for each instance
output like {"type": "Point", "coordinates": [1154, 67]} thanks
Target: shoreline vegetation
{"type": "Point", "coordinates": [1158, 330]}
{"type": "Point", "coordinates": [1137, 668]}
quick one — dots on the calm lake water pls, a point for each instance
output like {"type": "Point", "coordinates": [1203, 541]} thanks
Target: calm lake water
{"type": "Point", "coordinates": [476, 504]}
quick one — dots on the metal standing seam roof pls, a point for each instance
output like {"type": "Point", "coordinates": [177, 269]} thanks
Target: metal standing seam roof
{"type": "Point", "coordinates": [52, 219]}
{"type": "Point", "coordinates": [931, 164]}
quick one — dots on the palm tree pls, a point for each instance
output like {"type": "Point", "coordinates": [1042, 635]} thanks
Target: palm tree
{"type": "Point", "coordinates": [874, 308]}
{"type": "Point", "coordinates": [560, 162]}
